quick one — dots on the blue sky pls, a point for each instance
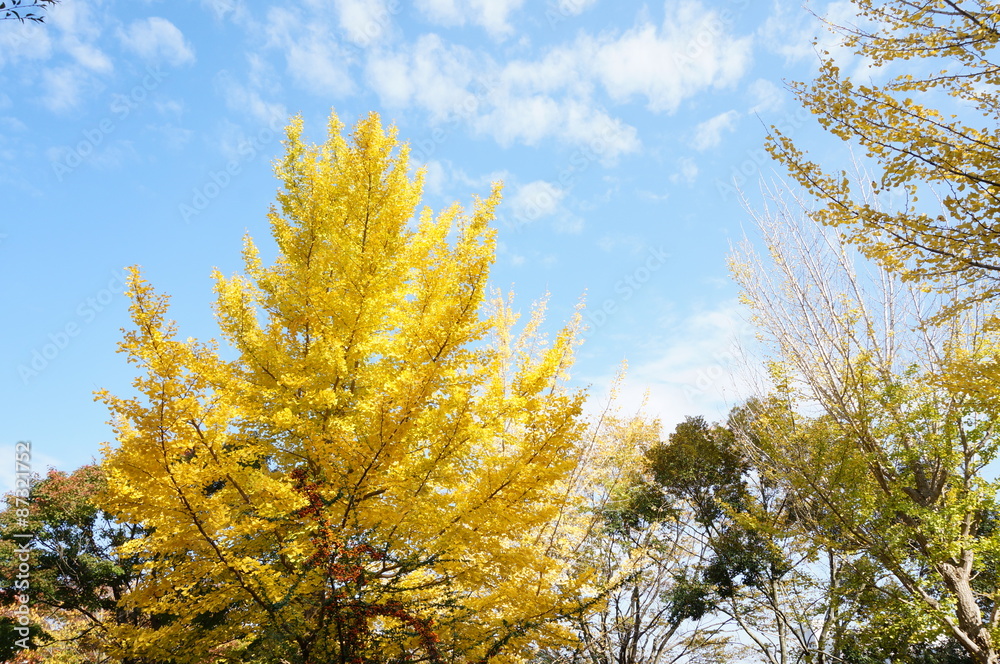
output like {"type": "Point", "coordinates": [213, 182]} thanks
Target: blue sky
{"type": "Point", "coordinates": [142, 132]}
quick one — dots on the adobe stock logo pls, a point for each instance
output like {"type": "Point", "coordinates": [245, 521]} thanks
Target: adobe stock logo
{"type": "Point", "coordinates": [122, 105]}
{"type": "Point", "coordinates": [627, 286]}
{"type": "Point", "coordinates": [202, 196]}
{"type": "Point", "coordinates": [58, 341]}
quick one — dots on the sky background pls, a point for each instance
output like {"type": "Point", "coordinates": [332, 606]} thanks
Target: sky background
{"type": "Point", "coordinates": [142, 132]}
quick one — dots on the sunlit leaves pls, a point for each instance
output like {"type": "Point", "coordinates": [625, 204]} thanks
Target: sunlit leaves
{"type": "Point", "coordinates": [931, 132]}
{"type": "Point", "coordinates": [875, 423]}
{"type": "Point", "coordinates": [378, 473]}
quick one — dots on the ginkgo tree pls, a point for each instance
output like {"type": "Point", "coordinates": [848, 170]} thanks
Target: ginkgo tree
{"type": "Point", "coordinates": [881, 423]}
{"type": "Point", "coordinates": [375, 474]}
{"type": "Point", "coordinates": [926, 113]}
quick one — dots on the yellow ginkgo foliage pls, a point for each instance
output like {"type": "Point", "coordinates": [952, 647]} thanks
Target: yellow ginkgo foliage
{"type": "Point", "coordinates": [378, 473]}
{"type": "Point", "coordinates": [925, 114]}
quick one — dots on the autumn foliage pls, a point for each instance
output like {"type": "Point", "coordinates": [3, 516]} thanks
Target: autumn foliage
{"type": "Point", "coordinates": [376, 463]}
{"type": "Point", "coordinates": [376, 474]}
{"type": "Point", "coordinates": [926, 122]}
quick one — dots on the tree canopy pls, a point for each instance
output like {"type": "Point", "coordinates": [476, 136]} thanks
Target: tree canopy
{"type": "Point", "coordinates": [930, 132]}
{"type": "Point", "coordinates": [377, 462]}
{"type": "Point", "coordinates": [874, 426]}
{"type": "Point", "coordinates": [377, 474]}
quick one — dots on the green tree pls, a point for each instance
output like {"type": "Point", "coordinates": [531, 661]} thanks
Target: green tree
{"type": "Point", "coordinates": [759, 570]}
{"type": "Point", "coordinates": [890, 460]}
{"type": "Point", "coordinates": [639, 544]}
{"type": "Point", "coordinates": [77, 576]}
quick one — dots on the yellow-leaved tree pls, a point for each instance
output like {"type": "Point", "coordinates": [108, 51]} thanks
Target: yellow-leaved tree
{"type": "Point", "coordinates": [928, 120]}
{"type": "Point", "coordinates": [881, 431]}
{"type": "Point", "coordinates": [377, 475]}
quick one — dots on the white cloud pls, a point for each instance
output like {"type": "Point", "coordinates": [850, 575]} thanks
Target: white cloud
{"type": "Point", "coordinates": [78, 35]}
{"type": "Point", "coordinates": [708, 134]}
{"type": "Point", "coordinates": [536, 200]}
{"type": "Point", "coordinates": [90, 57]}
{"type": "Point", "coordinates": [799, 35]}
{"type": "Point", "coordinates": [238, 143]}
{"type": "Point", "coordinates": [62, 88]}
{"type": "Point", "coordinates": [766, 96]}
{"type": "Point", "coordinates": [555, 95]}
{"type": "Point", "coordinates": [365, 21]}
{"type": "Point", "coordinates": [172, 107]}
{"type": "Point", "coordinates": [71, 30]}
{"type": "Point", "coordinates": [157, 38]}
{"type": "Point", "coordinates": [11, 124]}
{"type": "Point", "coordinates": [443, 12]}
{"type": "Point", "coordinates": [789, 32]}
{"type": "Point", "coordinates": [526, 119]}
{"type": "Point", "coordinates": [222, 8]}
{"type": "Point", "coordinates": [246, 99]}
{"type": "Point", "coordinates": [24, 41]}
{"type": "Point", "coordinates": [687, 171]}
{"type": "Point", "coordinates": [574, 7]}
{"type": "Point", "coordinates": [516, 103]}
{"type": "Point", "coordinates": [531, 100]}
{"type": "Point", "coordinates": [314, 58]}
{"type": "Point", "coordinates": [73, 19]}
{"type": "Point", "coordinates": [67, 49]}
{"type": "Point", "coordinates": [435, 177]}
{"type": "Point", "coordinates": [430, 74]}
{"type": "Point", "coordinates": [529, 119]}
{"type": "Point", "coordinates": [388, 74]}
{"type": "Point", "coordinates": [699, 366]}
{"type": "Point", "coordinates": [318, 65]}
{"type": "Point", "coordinates": [691, 51]}
{"type": "Point", "coordinates": [562, 68]}
{"type": "Point", "coordinates": [491, 15]}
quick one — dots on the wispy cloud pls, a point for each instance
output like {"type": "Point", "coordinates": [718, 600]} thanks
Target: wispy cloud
{"type": "Point", "coordinates": [314, 57]}
{"type": "Point", "coordinates": [687, 171]}
{"type": "Point", "coordinates": [695, 365]}
{"type": "Point", "coordinates": [692, 50]}
{"type": "Point", "coordinates": [79, 32]}
{"type": "Point", "coordinates": [157, 39]}
{"type": "Point", "coordinates": [429, 74]}
{"type": "Point", "coordinates": [766, 96]}
{"type": "Point", "coordinates": [62, 88]}
{"type": "Point", "coordinates": [66, 57]}
{"type": "Point", "coordinates": [574, 7]}
{"type": "Point", "coordinates": [246, 99]}
{"type": "Point", "coordinates": [365, 22]}
{"type": "Point", "coordinates": [708, 134]}
{"type": "Point", "coordinates": [563, 92]}
{"type": "Point", "coordinates": [491, 15]}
